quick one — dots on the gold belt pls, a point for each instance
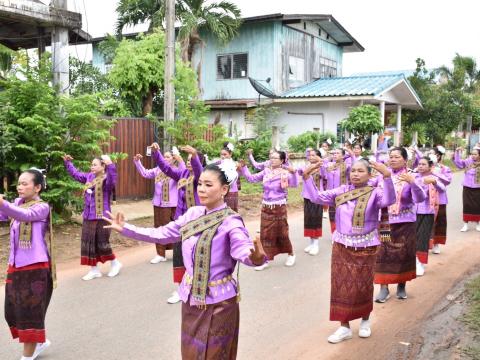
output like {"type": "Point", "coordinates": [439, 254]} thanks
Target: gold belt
{"type": "Point", "coordinates": [189, 280]}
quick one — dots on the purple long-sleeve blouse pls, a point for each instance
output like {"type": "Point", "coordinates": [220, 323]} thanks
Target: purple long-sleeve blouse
{"type": "Point", "coordinates": [445, 175]}
{"type": "Point", "coordinates": [258, 165]}
{"type": "Point", "coordinates": [333, 175]}
{"type": "Point", "coordinates": [37, 214]}
{"type": "Point", "coordinates": [469, 179]}
{"type": "Point", "coordinates": [89, 212]}
{"type": "Point", "coordinates": [231, 243]}
{"type": "Point", "coordinates": [273, 193]}
{"type": "Point", "coordinates": [300, 172]}
{"type": "Point", "coordinates": [426, 206]}
{"type": "Point", "coordinates": [177, 174]}
{"type": "Point", "coordinates": [158, 194]}
{"type": "Point", "coordinates": [345, 233]}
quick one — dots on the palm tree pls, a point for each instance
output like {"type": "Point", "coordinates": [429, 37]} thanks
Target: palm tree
{"type": "Point", "coordinates": [464, 75]}
{"type": "Point", "coordinates": [222, 19]}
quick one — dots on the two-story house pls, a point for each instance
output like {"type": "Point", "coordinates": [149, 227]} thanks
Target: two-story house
{"type": "Point", "coordinates": [295, 63]}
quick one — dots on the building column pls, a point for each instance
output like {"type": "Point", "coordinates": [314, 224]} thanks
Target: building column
{"type": "Point", "coordinates": [60, 54]}
{"type": "Point", "coordinates": [382, 118]}
{"type": "Point", "coordinates": [275, 137]}
{"type": "Point", "coordinates": [398, 133]}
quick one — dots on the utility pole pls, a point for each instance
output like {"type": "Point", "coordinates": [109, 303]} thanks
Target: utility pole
{"type": "Point", "coordinates": [169, 91]}
{"type": "Point", "coordinates": [60, 55]}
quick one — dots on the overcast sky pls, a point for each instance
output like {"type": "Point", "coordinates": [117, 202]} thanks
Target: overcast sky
{"type": "Point", "coordinates": [393, 33]}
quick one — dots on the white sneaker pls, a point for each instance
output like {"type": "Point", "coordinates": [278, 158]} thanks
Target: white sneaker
{"type": "Point", "coordinates": [115, 269]}
{"type": "Point", "coordinates": [365, 331]}
{"type": "Point", "coordinates": [174, 298]}
{"type": "Point", "coordinates": [420, 268]}
{"type": "Point", "coordinates": [314, 250]}
{"type": "Point", "coordinates": [290, 260]}
{"type": "Point", "coordinates": [40, 348]}
{"type": "Point", "coordinates": [261, 267]}
{"type": "Point", "coordinates": [325, 215]}
{"type": "Point", "coordinates": [342, 333]}
{"type": "Point", "coordinates": [158, 259]}
{"type": "Point", "coordinates": [464, 228]}
{"type": "Point", "coordinates": [92, 274]}
{"type": "Point", "coordinates": [308, 248]}
{"type": "Point", "coordinates": [436, 249]}
{"type": "Point", "coordinates": [478, 227]}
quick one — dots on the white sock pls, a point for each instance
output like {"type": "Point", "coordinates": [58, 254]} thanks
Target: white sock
{"type": "Point", "coordinates": [114, 262]}
{"type": "Point", "coordinates": [94, 269]}
{"type": "Point", "coordinates": [314, 242]}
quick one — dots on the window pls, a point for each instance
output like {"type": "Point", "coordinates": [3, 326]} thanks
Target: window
{"type": "Point", "coordinates": [296, 71]}
{"type": "Point", "coordinates": [328, 68]}
{"type": "Point", "coordinates": [232, 66]}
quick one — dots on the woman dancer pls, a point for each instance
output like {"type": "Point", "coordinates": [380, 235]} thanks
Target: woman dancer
{"type": "Point", "coordinates": [396, 258]}
{"type": "Point", "coordinates": [273, 223]}
{"type": "Point", "coordinates": [165, 197]}
{"type": "Point", "coordinates": [187, 181]}
{"type": "Point", "coordinates": [444, 174]}
{"type": "Point", "coordinates": [426, 210]}
{"type": "Point", "coordinates": [97, 193]}
{"type": "Point", "coordinates": [356, 243]}
{"type": "Point", "coordinates": [259, 165]}
{"type": "Point", "coordinates": [213, 239]}
{"type": "Point", "coordinates": [312, 213]}
{"type": "Point", "coordinates": [471, 187]}
{"type": "Point", "coordinates": [226, 156]}
{"type": "Point", "coordinates": [30, 274]}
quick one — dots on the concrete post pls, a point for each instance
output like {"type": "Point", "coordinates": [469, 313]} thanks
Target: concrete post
{"type": "Point", "coordinates": [398, 133]}
{"type": "Point", "coordinates": [60, 55]}
{"type": "Point", "coordinates": [275, 137]}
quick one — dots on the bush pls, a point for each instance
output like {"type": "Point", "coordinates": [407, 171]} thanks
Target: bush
{"type": "Point", "coordinates": [308, 139]}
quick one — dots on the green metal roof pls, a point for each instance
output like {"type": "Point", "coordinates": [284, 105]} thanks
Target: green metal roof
{"type": "Point", "coordinates": [346, 86]}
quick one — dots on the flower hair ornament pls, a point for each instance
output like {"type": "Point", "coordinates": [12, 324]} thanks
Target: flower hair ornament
{"type": "Point", "coordinates": [43, 172]}
{"type": "Point", "coordinates": [433, 158]}
{"type": "Point", "coordinates": [441, 149]}
{"type": "Point", "coordinates": [229, 168]}
{"type": "Point", "coordinates": [230, 147]}
{"type": "Point", "coordinates": [175, 151]}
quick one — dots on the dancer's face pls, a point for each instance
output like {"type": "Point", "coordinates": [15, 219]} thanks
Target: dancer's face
{"type": "Point", "coordinates": [224, 154]}
{"type": "Point", "coordinates": [475, 156]}
{"type": "Point", "coordinates": [275, 160]}
{"type": "Point", "coordinates": [210, 190]}
{"type": "Point", "coordinates": [169, 157]}
{"type": "Point", "coordinates": [313, 158]}
{"type": "Point", "coordinates": [396, 161]}
{"type": "Point", "coordinates": [97, 167]}
{"type": "Point", "coordinates": [359, 174]}
{"type": "Point", "coordinates": [423, 166]}
{"type": "Point", "coordinates": [26, 188]}
{"type": "Point", "coordinates": [357, 150]}
{"type": "Point", "coordinates": [337, 155]}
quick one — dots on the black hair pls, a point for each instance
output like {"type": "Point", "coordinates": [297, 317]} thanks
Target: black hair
{"type": "Point", "coordinates": [221, 175]}
{"type": "Point", "coordinates": [341, 150]}
{"type": "Point", "coordinates": [201, 158]}
{"type": "Point", "coordinates": [325, 143]}
{"type": "Point", "coordinates": [428, 160]}
{"type": "Point", "coordinates": [38, 178]}
{"type": "Point", "coordinates": [317, 152]}
{"type": "Point", "coordinates": [283, 155]}
{"type": "Point", "coordinates": [101, 161]}
{"type": "Point", "coordinates": [402, 151]}
{"type": "Point", "coordinates": [366, 163]}
{"type": "Point", "coordinates": [225, 147]}
{"type": "Point", "coordinates": [438, 153]}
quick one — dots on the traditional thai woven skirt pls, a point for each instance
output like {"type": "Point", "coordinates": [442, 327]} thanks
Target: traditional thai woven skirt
{"type": "Point", "coordinates": [95, 243]}
{"type": "Point", "coordinates": [274, 231]}
{"type": "Point", "coordinates": [162, 216]}
{"type": "Point", "coordinates": [471, 204]}
{"type": "Point", "coordinates": [28, 290]}
{"type": "Point", "coordinates": [396, 261]}
{"type": "Point", "coordinates": [331, 216]}
{"type": "Point", "coordinates": [211, 333]}
{"type": "Point", "coordinates": [424, 234]}
{"type": "Point", "coordinates": [231, 199]}
{"type": "Point", "coordinates": [312, 219]}
{"type": "Point", "coordinates": [440, 227]}
{"type": "Point", "coordinates": [352, 274]}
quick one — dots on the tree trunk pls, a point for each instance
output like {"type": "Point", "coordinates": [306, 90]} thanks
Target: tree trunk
{"type": "Point", "coordinates": [147, 105]}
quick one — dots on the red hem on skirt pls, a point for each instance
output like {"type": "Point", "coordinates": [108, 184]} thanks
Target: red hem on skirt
{"type": "Point", "coordinates": [178, 274]}
{"type": "Point", "coordinates": [385, 279]}
{"type": "Point", "coordinates": [28, 335]}
{"type": "Point", "coordinates": [349, 315]}
{"type": "Point", "coordinates": [471, 217]}
{"type": "Point", "coordinates": [441, 240]}
{"type": "Point", "coordinates": [422, 257]}
{"type": "Point", "coordinates": [93, 262]}
{"type": "Point", "coordinates": [312, 233]}
{"type": "Point", "coordinates": [333, 226]}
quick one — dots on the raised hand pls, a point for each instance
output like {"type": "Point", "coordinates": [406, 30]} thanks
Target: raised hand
{"type": "Point", "coordinates": [257, 254]}
{"type": "Point", "coordinates": [106, 159]}
{"type": "Point", "coordinates": [381, 168]}
{"type": "Point", "coordinates": [67, 157]}
{"type": "Point", "coordinates": [240, 164]}
{"type": "Point", "coordinates": [116, 221]}
{"type": "Point", "coordinates": [155, 146]}
{"type": "Point", "coordinates": [429, 180]}
{"type": "Point", "coordinates": [189, 150]}
{"type": "Point", "coordinates": [290, 169]}
{"type": "Point", "coordinates": [138, 157]}
{"type": "Point", "coordinates": [409, 178]}
{"type": "Point", "coordinates": [249, 151]}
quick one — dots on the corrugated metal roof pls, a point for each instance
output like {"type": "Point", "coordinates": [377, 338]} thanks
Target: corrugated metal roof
{"type": "Point", "coordinates": [345, 86]}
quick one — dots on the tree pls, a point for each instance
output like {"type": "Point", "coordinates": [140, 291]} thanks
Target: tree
{"type": "Point", "coordinates": [38, 126]}
{"type": "Point", "coordinates": [464, 75]}
{"type": "Point", "coordinates": [309, 139]}
{"type": "Point", "coordinates": [220, 19]}
{"type": "Point", "coordinates": [363, 121]}
{"type": "Point", "coordinates": [86, 78]}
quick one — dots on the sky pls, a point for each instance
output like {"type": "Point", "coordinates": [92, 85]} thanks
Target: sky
{"type": "Point", "coordinates": [393, 33]}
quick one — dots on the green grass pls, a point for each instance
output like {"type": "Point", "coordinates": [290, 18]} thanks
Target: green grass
{"type": "Point", "coordinates": [294, 194]}
{"type": "Point", "coordinates": [251, 188]}
{"type": "Point", "coordinates": [472, 316]}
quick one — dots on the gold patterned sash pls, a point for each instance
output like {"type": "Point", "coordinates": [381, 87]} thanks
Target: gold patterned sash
{"type": "Point", "coordinates": [317, 180]}
{"type": "Point", "coordinates": [343, 171]}
{"type": "Point", "coordinates": [475, 166]}
{"type": "Point", "coordinates": [189, 190]}
{"type": "Point", "coordinates": [97, 183]}
{"type": "Point", "coordinates": [363, 195]}
{"type": "Point", "coordinates": [207, 225]}
{"type": "Point", "coordinates": [165, 186]}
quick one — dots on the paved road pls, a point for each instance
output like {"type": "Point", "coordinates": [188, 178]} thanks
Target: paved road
{"type": "Point", "coordinates": [284, 311]}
